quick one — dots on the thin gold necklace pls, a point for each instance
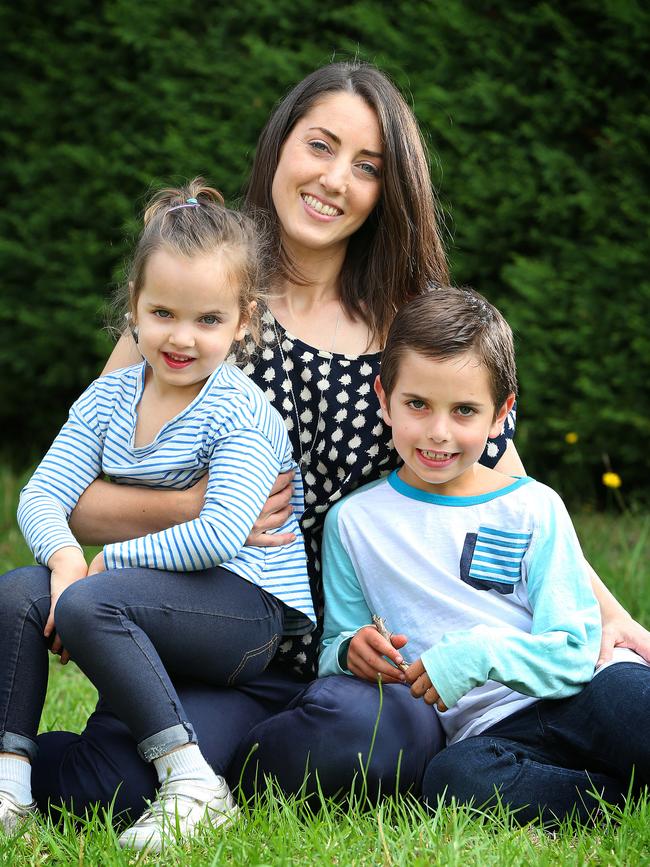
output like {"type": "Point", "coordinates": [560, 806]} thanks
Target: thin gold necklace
{"type": "Point", "coordinates": [305, 456]}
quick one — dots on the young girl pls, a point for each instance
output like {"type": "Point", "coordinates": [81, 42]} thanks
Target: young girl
{"type": "Point", "coordinates": [204, 605]}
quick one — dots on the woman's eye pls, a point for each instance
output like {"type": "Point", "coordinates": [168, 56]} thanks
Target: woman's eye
{"type": "Point", "coordinates": [318, 145]}
{"type": "Point", "coordinates": [210, 319]}
{"type": "Point", "coordinates": [370, 169]}
{"type": "Point", "coordinates": [162, 314]}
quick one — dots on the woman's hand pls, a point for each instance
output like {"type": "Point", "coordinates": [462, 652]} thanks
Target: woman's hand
{"type": "Point", "coordinates": [367, 652]}
{"type": "Point", "coordinates": [97, 564]}
{"type": "Point", "coordinates": [622, 631]}
{"type": "Point", "coordinates": [67, 565]}
{"type": "Point", "coordinates": [274, 513]}
{"type": "Point", "coordinates": [421, 686]}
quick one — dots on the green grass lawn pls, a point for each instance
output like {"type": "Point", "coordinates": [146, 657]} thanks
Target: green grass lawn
{"type": "Point", "coordinates": [279, 831]}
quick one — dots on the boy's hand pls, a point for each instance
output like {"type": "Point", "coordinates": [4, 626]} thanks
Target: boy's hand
{"type": "Point", "coordinates": [421, 686]}
{"type": "Point", "coordinates": [366, 656]}
{"type": "Point", "coordinates": [66, 565]}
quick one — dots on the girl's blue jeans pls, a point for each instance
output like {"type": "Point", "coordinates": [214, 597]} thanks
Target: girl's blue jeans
{"type": "Point", "coordinates": [555, 758]}
{"type": "Point", "coordinates": [131, 631]}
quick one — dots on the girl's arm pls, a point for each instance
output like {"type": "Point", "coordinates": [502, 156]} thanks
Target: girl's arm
{"type": "Point", "coordinates": [109, 513]}
{"type": "Point", "coordinates": [242, 471]}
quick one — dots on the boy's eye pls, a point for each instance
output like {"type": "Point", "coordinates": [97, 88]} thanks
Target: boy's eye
{"type": "Point", "coordinates": [465, 411]}
{"type": "Point", "coordinates": [416, 404]}
{"type": "Point", "coordinates": [210, 319]}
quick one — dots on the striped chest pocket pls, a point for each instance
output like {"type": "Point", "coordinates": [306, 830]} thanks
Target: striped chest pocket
{"type": "Point", "coordinates": [491, 559]}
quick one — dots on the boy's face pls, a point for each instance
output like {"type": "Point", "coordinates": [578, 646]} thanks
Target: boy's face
{"type": "Point", "coordinates": [441, 414]}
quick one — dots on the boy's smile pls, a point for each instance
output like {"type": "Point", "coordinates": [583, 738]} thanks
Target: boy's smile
{"type": "Point", "coordinates": [442, 413]}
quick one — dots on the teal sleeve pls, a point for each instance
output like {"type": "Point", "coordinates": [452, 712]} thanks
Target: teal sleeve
{"type": "Point", "coordinates": [558, 656]}
{"type": "Point", "coordinates": [346, 610]}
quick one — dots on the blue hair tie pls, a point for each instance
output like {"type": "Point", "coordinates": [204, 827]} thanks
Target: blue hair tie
{"type": "Point", "coordinates": [192, 201]}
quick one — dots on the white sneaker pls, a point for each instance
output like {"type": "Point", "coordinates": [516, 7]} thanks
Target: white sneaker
{"type": "Point", "coordinates": [13, 815]}
{"type": "Point", "coordinates": [176, 813]}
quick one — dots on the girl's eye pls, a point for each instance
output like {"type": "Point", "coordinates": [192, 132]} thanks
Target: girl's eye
{"type": "Point", "coordinates": [210, 319]}
{"type": "Point", "coordinates": [466, 411]}
{"type": "Point", "coordinates": [162, 314]}
{"type": "Point", "coordinates": [416, 404]}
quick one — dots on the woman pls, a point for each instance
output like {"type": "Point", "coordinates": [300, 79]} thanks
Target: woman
{"type": "Point", "coordinates": [341, 171]}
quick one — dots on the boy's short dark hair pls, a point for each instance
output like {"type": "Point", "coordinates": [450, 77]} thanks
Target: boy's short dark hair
{"type": "Point", "coordinates": [448, 321]}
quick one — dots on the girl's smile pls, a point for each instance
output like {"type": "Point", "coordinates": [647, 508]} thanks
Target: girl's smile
{"type": "Point", "coordinates": [188, 316]}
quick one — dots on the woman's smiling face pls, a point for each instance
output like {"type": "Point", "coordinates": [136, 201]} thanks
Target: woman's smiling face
{"type": "Point", "coordinates": [328, 178]}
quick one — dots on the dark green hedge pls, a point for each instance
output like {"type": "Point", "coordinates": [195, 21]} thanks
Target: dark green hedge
{"type": "Point", "coordinates": [537, 116]}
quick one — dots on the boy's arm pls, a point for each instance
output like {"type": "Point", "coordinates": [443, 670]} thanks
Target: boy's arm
{"type": "Point", "coordinates": [559, 654]}
{"type": "Point", "coordinates": [241, 473]}
{"type": "Point", "coordinates": [349, 644]}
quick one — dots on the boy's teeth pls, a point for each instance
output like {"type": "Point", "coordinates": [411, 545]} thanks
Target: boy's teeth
{"type": "Point", "coordinates": [317, 205]}
{"type": "Point", "coordinates": [436, 456]}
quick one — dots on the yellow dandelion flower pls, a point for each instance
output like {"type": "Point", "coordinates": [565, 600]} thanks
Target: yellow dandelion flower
{"type": "Point", "coordinates": [571, 438]}
{"type": "Point", "coordinates": [612, 480]}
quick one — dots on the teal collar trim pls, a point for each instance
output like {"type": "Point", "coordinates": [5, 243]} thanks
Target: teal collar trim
{"type": "Point", "coordinates": [441, 500]}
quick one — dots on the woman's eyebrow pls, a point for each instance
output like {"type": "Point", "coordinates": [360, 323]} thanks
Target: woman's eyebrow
{"type": "Point", "coordinates": [335, 138]}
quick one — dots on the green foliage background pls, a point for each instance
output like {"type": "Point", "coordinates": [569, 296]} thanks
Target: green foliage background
{"type": "Point", "coordinates": [538, 120]}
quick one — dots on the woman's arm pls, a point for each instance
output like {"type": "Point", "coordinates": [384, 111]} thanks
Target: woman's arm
{"type": "Point", "coordinates": [619, 629]}
{"type": "Point", "coordinates": [124, 354]}
{"type": "Point", "coordinates": [510, 463]}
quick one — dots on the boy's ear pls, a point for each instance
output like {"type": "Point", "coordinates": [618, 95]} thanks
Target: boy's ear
{"type": "Point", "coordinates": [497, 425]}
{"type": "Point", "coordinates": [244, 320]}
{"type": "Point", "coordinates": [383, 402]}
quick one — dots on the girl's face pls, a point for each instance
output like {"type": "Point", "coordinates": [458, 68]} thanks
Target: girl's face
{"type": "Point", "coordinates": [328, 178]}
{"type": "Point", "coordinates": [188, 316]}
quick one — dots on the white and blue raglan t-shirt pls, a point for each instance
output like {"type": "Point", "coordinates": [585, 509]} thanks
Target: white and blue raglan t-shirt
{"type": "Point", "coordinates": [492, 591]}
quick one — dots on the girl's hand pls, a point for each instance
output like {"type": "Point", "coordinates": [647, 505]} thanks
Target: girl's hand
{"type": "Point", "coordinates": [421, 686]}
{"type": "Point", "coordinates": [366, 654]}
{"type": "Point", "coordinates": [97, 564]}
{"type": "Point", "coordinates": [623, 631]}
{"type": "Point", "coordinates": [67, 565]}
{"type": "Point", "coordinates": [274, 513]}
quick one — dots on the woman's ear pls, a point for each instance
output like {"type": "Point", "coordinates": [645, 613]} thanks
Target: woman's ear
{"type": "Point", "coordinates": [497, 425]}
{"type": "Point", "coordinates": [383, 401]}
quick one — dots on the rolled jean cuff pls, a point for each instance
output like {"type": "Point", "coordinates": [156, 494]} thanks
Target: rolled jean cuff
{"type": "Point", "coordinates": [21, 746]}
{"type": "Point", "coordinates": [165, 741]}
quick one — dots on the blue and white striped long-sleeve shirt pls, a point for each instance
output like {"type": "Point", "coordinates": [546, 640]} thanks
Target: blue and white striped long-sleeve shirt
{"type": "Point", "coordinates": [230, 430]}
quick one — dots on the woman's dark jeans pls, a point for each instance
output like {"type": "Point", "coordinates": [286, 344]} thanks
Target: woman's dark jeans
{"type": "Point", "coordinates": [550, 758]}
{"type": "Point", "coordinates": [129, 630]}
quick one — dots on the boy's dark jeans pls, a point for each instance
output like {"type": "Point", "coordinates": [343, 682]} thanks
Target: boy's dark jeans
{"type": "Point", "coordinates": [549, 758]}
{"type": "Point", "coordinates": [129, 630]}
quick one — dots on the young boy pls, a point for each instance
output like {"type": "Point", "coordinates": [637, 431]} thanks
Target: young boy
{"type": "Point", "coordinates": [485, 575]}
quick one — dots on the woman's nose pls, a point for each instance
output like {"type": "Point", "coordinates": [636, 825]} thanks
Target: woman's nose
{"type": "Point", "coordinates": [337, 177]}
